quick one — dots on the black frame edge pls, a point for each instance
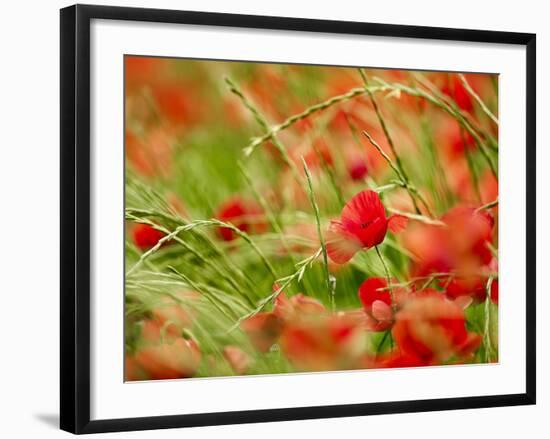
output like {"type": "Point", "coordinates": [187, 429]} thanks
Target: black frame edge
{"type": "Point", "coordinates": [75, 218]}
{"type": "Point", "coordinates": [303, 413]}
{"type": "Point", "coordinates": [303, 24]}
{"type": "Point", "coordinates": [531, 200]}
{"type": "Point", "coordinates": [68, 388]}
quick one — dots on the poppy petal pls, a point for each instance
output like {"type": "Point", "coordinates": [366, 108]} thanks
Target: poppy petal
{"type": "Point", "coordinates": [363, 207]}
{"type": "Point", "coordinates": [381, 311]}
{"type": "Point", "coordinates": [341, 245]}
{"type": "Point", "coordinates": [397, 223]}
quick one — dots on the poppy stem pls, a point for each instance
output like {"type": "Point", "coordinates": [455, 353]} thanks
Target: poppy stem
{"type": "Point", "coordinates": [388, 278]}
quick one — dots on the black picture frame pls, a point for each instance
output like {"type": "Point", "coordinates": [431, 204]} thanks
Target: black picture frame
{"type": "Point", "coordinates": [75, 217]}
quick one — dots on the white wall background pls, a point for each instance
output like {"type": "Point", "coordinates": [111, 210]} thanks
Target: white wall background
{"type": "Point", "coordinates": [29, 206]}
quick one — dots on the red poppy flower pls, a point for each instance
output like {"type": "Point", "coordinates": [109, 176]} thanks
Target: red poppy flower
{"type": "Point", "coordinates": [363, 224]}
{"type": "Point", "coordinates": [357, 169]}
{"type": "Point", "coordinates": [323, 343]}
{"type": "Point", "coordinates": [246, 215]}
{"type": "Point", "coordinates": [178, 359]}
{"type": "Point", "coordinates": [474, 287]}
{"type": "Point", "coordinates": [433, 329]}
{"type": "Point", "coordinates": [377, 302]}
{"type": "Point", "coordinates": [146, 236]}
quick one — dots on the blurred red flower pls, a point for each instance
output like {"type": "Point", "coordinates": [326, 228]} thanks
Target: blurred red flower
{"type": "Point", "coordinates": [461, 244]}
{"type": "Point", "coordinates": [244, 214]}
{"type": "Point", "coordinates": [169, 360]}
{"type": "Point", "coordinates": [329, 342]}
{"type": "Point", "coordinates": [433, 329]}
{"type": "Point", "coordinates": [363, 225]}
{"type": "Point", "coordinates": [474, 287]}
{"type": "Point", "coordinates": [298, 305]}
{"type": "Point", "coordinates": [146, 236]}
{"type": "Point", "coordinates": [263, 329]}
{"type": "Point", "coordinates": [175, 102]}
{"type": "Point", "coordinates": [358, 169]}
{"type": "Point", "coordinates": [377, 303]}
{"type": "Point", "coordinates": [456, 90]}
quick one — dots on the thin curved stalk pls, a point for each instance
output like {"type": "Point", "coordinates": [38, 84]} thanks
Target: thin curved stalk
{"type": "Point", "coordinates": [354, 92]}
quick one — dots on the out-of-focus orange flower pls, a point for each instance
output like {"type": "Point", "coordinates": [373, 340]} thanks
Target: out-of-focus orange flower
{"type": "Point", "coordinates": [132, 370]}
{"type": "Point", "coordinates": [175, 102]}
{"type": "Point", "coordinates": [173, 316]}
{"type": "Point", "coordinates": [169, 360]}
{"type": "Point", "coordinates": [150, 155]}
{"type": "Point", "coordinates": [330, 342]}
{"type": "Point", "coordinates": [238, 359]}
{"type": "Point", "coordinates": [433, 329]}
{"type": "Point", "coordinates": [316, 154]}
{"type": "Point", "coordinates": [263, 329]}
{"type": "Point", "coordinates": [244, 214]}
{"type": "Point", "coordinates": [460, 245]}
{"type": "Point", "coordinates": [141, 70]}
{"type": "Point", "coordinates": [297, 306]}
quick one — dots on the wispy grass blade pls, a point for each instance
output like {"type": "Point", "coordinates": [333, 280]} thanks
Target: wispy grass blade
{"type": "Point", "coordinates": [413, 192]}
{"type": "Point", "coordinates": [318, 223]}
{"type": "Point", "coordinates": [261, 120]}
{"type": "Point", "coordinates": [476, 97]}
{"type": "Point", "coordinates": [354, 92]}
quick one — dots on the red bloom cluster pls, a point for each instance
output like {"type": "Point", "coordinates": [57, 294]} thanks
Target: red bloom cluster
{"type": "Point", "coordinates": [462, 245]}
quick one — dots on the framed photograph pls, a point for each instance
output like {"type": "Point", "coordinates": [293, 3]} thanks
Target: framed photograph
{"type": "Point", "coordinates": [268, 218]}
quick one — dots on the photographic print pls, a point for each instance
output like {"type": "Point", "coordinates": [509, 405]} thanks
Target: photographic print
{"type": "Point", "coordinates": [284, 218]}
